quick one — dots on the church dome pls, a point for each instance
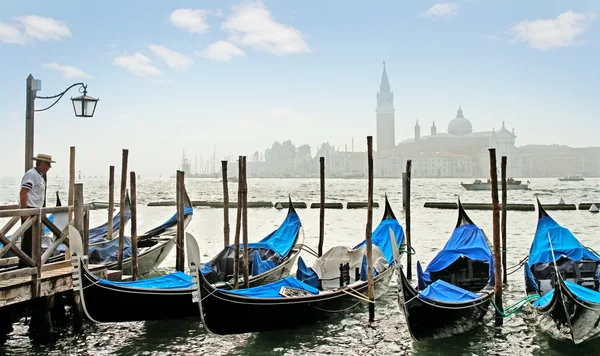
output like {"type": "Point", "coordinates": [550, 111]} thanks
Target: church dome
{"type": "Point", "coordinates": [460, 125]}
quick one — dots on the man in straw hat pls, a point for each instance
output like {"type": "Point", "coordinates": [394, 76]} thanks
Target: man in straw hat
{"type": "Point", "coordinates": [33, 194]}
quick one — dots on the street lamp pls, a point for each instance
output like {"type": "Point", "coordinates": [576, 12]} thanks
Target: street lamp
{"type": "Point", "coordinates": [83, 106]}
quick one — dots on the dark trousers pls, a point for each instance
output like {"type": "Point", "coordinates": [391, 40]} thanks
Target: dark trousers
{"type": "Point", "coordinates": [26, 244]}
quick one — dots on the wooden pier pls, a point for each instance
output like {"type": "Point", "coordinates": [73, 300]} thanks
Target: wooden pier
{"type": "Point", "coordinates": [29, 283]}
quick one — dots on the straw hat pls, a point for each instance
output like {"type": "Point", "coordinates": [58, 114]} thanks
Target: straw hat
{"type": "Point", "coordinates": [44, 158]}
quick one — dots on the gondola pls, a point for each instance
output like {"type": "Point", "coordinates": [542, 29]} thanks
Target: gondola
{"type": "Point", "coordinates": [270, 259]}
{"type": "Point", "coordinates": [306, 298]}
{"type": "Point", "coordinates": [153, 246]}
{"type": "Point", "coordinates": [565, 274]}
{"type": "Point", "coordinates": [160, 298]}
{"type": "Point", "coordinates": [146, 299]}
{"type": "Point", "coordinates": [454, 292]}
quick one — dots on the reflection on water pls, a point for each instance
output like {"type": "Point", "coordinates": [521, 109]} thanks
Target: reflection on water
{"type": "Point", "coordinates": [346, 334]}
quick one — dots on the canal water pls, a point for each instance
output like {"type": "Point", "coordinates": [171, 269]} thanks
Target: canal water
{"type": "Point", "coordinates": [348, 334]}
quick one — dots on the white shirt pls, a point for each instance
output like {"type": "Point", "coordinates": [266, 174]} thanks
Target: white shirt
{"type": "Point", "coordinates": [34, 182]}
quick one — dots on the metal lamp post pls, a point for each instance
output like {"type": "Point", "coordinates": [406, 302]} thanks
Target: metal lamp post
{"type": "Point", "coordinates": [83, 106]}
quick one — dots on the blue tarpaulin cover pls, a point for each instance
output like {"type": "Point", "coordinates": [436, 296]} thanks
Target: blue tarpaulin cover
{"type": "Point", "coordinates": [107, 252]}
{"type": "Point", "coordinates": [169, 223]}
{"type": "Point", "coordinates": [445, 292]}
{"type": "Point", "coordinates": [98, 233]}
{"type": "Point", "coordinates": [271, 290]}
{"type": "Point", "coordinates": [306, 274]}
{"type": "Point", "coordinates": [564, 243]}
{"type": "Point", "coordinates": [580, 292]}
{"type": "Point", "coordinates": [176, 280]}
{"type": "Point", "coordinates": [381, 238]}
{"type": "Point", "coordinates": [466, 241]}
{"type": "Point", "coordinates": [282, 239]}
{"type": "Point", "coordinates": [544, 300]}
{"type": "Point", "coordinates": [364, 268]}
{"type": "Point", "coordinates": [259, 266]}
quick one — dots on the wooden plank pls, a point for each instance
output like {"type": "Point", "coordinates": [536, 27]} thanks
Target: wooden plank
{"type": "Point", "coordinates": [10, 244]}
{"type": "Point", "coordinates": [35, 211]}
{"type": "Point", "coordinates": [9, 225]}
{"type": "Point", "coordinates": [50, 250]}
{"type": "Point", "coordinates": [13, 239]}
{"type": "Point", "coordinates": [21, 272]}
{"type": "Point", "coordinates": [9, 207]}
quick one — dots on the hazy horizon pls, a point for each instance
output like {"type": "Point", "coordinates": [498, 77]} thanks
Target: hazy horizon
{"type": "Point", "coordinates": [240, 75]}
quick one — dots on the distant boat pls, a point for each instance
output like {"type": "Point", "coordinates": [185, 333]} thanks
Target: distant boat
{"type": "Point", "coordinates": [594, 209]}
{"type": "Point", "coordinates": [511, 184]}
{"type": "Point", "coordinates": [571, 179]}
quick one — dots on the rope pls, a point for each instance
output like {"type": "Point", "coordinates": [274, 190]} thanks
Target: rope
{"type": "Point", "coordinates": [516, 307]}
{"type": "Point", "coordinates": [411, 252]}
{"type": "Point", "coordinates": [309, 250]}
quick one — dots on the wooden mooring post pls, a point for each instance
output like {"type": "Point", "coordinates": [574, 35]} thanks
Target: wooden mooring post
{"type": "Point", "coordinates": [238, 223]}
{"type": "Point", "coordinates": [496, 238]}
{"type": "Point", "coordinates": [407, 219]}
{"type": "Point", "coordinates": [134, 246]}
{"type": "Point", "coordinates": [503, 225]}
{"type": "Point", "coordinates": [180, 250]}
{"type": "Point", "coordinates": [122, 208]}
{"type": "Point", "coordinates": [111, 201]}
{"type": "Point", "coordinates": [71, 194]}
{"type": "Point", "coordinates": [225, 204]}
{"type": "Point", "coordinates": [245, 224]}
{"type": "Point", "coordinates": [369, 232]}
{"type": "Point", "coordinates": [322, 206]}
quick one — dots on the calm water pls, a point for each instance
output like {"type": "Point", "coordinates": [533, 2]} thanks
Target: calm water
{"type": "Point", "coordinates": [347, 334]}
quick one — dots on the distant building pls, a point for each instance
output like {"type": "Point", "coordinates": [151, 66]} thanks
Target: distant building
{"type": "Point", "coordinates": [460, 152]}
{"type": "Point", "coordinates": [560, 161]}
{"type": "Point", "coordinates": [386, 126]}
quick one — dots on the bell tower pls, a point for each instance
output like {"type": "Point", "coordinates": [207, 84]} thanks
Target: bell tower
{"type": "Point", "coordinates": [386, 130]}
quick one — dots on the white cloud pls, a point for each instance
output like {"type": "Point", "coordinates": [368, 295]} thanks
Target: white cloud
{"type": "Point", "coordinates": [44, 28]}
{"type": "Point", "coordinates": [69, 72]}
{"type": "Point", "coordinates": [447, 9]}
{"type": "Point", "coordinates": [192, 20]}
{"type": "Point", "coordinates": [11, 34]}
{"type": "Point", "coordinates": [222, 51]}
{"type": "Point", "coordinates": [173, 59]}
{"type": "Point", "coordinates": [138, 64]}
{"type": "Point", "coordinates": [287, 113]}
{"type": "Point", "coordinates": [547, 34]}
{"type": "Point", "coordinates": [251, 24]}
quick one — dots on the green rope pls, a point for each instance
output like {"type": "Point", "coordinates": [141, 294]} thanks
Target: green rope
{"type": "Point", "coordinates": [516, 307]}
{"type": "Point", "coordinates": [412, 252]}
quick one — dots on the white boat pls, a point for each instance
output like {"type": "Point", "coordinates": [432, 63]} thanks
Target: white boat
{"type": "Point", "coordinates": [511, 184]}
{"type": "Point", "coordinates": [594, 209]}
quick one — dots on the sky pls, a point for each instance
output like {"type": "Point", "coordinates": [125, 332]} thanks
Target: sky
{"type": "Point", "coordinates": [239, 75]}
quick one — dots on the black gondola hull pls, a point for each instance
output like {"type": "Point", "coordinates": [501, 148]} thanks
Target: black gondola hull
{"type": "Point", "coordinates": [105, 304]}
{"type": "Point", "coordinates": [226, 314]}
{"type": "Point", "coordinates": [431, 319]}
{"type": "Point", "coordinates": [568, 319]}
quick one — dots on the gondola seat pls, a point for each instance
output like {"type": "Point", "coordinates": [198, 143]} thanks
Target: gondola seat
{"type": "Point", "coordinates": [221, 268]}
{"type": "Point", "coordinates": [464, 273]}
{"type": "Point", "coordinates": [583, 273]}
